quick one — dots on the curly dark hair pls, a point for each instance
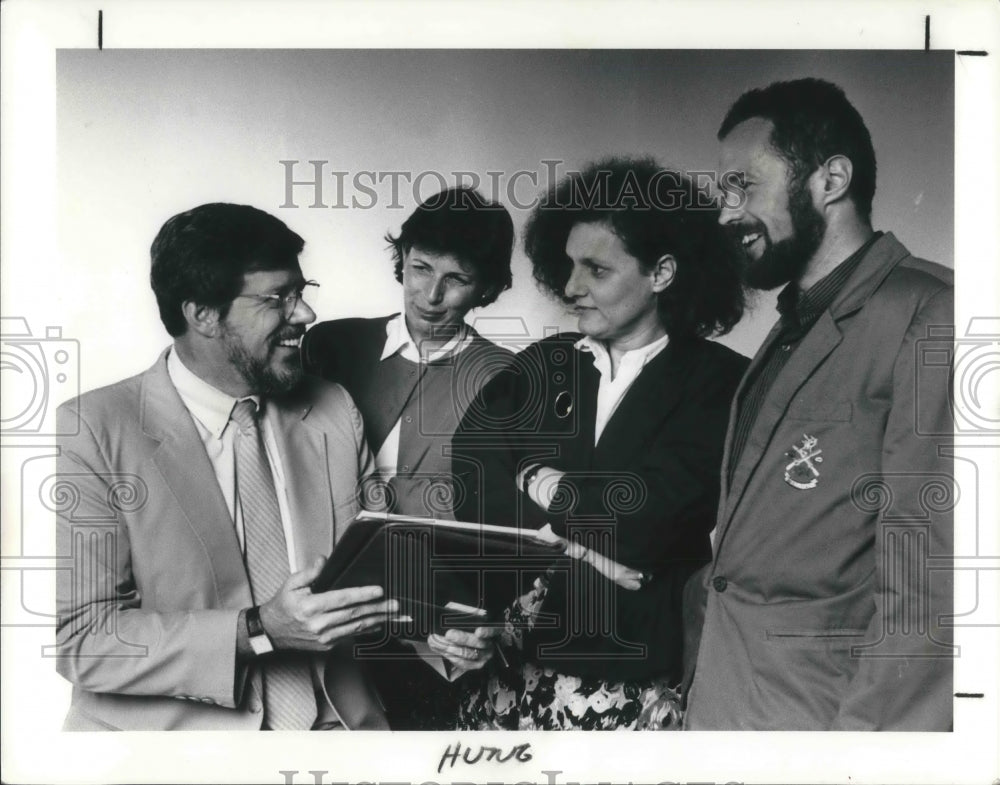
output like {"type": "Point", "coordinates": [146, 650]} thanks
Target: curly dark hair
{"type": "Point", "coordinates": [813, 120]}
{"type": "Point", "coordinates": [654, 211]}
{"type": "Point", "coordinates": [460, 222]}
{"type": "Point", "coordinates": [203, 253]}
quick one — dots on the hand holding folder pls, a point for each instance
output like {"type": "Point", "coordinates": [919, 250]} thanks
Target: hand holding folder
{"type": "Point", "coordinates": [447, 579]}
{"type": "Point", "coordinates": [444, 574]}
{"type": "Point", "coordinates": [447, 573]}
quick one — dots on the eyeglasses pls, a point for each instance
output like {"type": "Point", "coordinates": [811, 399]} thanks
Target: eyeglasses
{"type": "Point", "coordinates": [286, 302]}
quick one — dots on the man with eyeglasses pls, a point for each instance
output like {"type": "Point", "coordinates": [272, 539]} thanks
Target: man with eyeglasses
{"type": "Point", "coordinates": [205, 494]}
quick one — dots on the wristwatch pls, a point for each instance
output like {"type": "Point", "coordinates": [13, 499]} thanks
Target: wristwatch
{"type": "Point", "coordinates": [259, 641]}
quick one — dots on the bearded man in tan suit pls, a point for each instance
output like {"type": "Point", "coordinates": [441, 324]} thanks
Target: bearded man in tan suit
{"type": "Point", "coordinates": [202, 496]}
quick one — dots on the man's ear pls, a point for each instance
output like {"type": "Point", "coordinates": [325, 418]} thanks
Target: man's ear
{"type": "Point", "coordinates": [203, 319]}
{"type": "Point", "coordinates": [663, 272]}
{"type": "Point", "coordinates": [834, 179]}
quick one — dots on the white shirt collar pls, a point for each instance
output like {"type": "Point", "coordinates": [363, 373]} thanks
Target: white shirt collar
{"type": "Point", "coordinates": [208, 404]}
{"type": "Point", "coordinates": [398, 339]}
{"type": "Point", "coordinates": [634, 358]}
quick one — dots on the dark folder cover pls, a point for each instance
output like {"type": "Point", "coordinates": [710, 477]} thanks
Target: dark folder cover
{"type": "Point", "coordinates": [443, 573]}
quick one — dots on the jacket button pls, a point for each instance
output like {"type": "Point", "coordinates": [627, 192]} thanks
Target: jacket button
{"type": "Point", "coordinates": [719, 583]}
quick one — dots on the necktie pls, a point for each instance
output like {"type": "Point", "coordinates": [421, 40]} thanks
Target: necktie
{"type": "Point", "coordinates": [289, 700]}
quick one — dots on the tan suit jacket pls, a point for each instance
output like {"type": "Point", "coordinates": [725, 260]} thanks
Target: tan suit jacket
{"type": "Point", "coordinates": [147, 617]}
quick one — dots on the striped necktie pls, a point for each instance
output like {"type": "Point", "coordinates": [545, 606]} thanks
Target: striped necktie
{"type": "Point", "coordinates": [289, 700]}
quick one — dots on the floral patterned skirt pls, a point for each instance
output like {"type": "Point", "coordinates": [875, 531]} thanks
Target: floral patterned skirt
{"type": "Point", "coordinates": [529, 696]}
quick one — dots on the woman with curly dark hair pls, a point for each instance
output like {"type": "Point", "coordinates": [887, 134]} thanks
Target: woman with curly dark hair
{"type": "Point", "coordinates": [612, 438]}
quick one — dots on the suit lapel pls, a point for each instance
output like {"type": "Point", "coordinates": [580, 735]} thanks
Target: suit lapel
{"type": "Point", "coordinates": [579, 452]}
{"type": "Point", "coordinates": [885, 253]}
{"type": "Point", "coordinates": [392, 384]}
{"type": "Point", "coordinates": [303, 453]}
{"type": "Point", "coordinates": [750, 372]}
{"type": "Point", "coordinates": [807, 357]}
{"type": "Point", "coordinates": [183, 463]}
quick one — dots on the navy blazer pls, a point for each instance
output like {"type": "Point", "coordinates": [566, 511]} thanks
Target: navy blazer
{"type": "Point", "coordinates": [349, 351]}
{"type": "Point", "coordinates": [645, 494]}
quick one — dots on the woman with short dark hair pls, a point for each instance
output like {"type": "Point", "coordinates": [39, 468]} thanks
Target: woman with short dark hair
{"type": "Point", "coordinates": [412, 374]}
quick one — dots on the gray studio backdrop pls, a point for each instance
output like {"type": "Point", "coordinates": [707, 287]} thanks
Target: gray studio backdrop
{"type": "Point", "coordinates": [144, 134]}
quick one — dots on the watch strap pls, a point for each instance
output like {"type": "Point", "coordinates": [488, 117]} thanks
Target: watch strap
{"type": "Point", "coordinates": [257, 635]}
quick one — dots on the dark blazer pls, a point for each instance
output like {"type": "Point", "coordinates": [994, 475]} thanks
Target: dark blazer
{"type": "Point", "coordinates": [645, 495]}
{"type": "Point", "coordinates": [822, 609]}
{"type": "Point", "coordinates": [146, 626]}
{"type": "Point", "coordinates": [348, 351]}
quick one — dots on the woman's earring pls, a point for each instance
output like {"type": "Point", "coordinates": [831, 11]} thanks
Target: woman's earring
{"type": "Point", "coordinates": [563, 405]}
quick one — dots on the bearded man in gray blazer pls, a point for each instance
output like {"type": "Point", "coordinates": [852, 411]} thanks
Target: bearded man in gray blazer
{"type": "Point", "coordinates": [827, 603]}
{"type": "Point", "coordinates": [201, 497]}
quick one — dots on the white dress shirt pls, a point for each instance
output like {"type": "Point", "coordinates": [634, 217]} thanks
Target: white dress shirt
{"type": "Point", "coordinates": [611, 391]}
{"type": "Point", "coordinates": [210, 409]}
{"type": "Point", "coordinates": [398, 340]}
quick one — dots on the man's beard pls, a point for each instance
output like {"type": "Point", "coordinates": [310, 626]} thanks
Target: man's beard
{"type": "Point", "coordinates": [261, 377]}
{"type": "Point", "coordinates": [786, 259]}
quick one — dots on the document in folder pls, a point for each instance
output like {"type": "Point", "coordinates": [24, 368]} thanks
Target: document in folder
{"type": "Point", "coordinates": [443, 573]}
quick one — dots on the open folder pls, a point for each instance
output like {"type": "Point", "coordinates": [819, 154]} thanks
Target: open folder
{"type": "Point", "coordinates": [443, 573]}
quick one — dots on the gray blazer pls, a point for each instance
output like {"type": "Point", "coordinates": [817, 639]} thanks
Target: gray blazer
{"type": "Point", "coordinates": [822, 607]}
